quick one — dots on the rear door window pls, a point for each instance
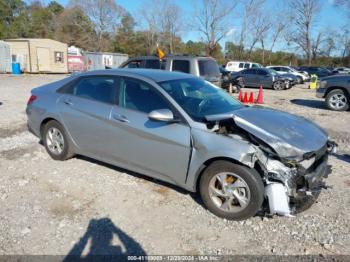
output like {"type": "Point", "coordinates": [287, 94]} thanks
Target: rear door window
{"type": "Point", "coordinates": [181, 66]}
{"type": "Point", "coordinates": [208, 67]}
{"type": "Point", "coordinates": [241, 65]}
{"type": "Point", "coordinates": [153, 64]}
{"type": "Point", "coordinates": [246, 65]}
{"type": "Point", "coordinates": [99, 88]}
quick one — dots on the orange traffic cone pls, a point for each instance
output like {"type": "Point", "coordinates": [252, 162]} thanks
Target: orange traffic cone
{"type": "Point", "coordinates": [245, 99]}
{"type": "Point", "coordinates": [240, 97]}
{"type": "Point", "coordinates": [251, 98]}
{"type": "Point", "coordinates": [260, 99]}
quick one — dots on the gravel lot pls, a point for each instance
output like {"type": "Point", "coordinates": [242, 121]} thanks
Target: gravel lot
{"type": "Point", "coordinates": [81, 206]}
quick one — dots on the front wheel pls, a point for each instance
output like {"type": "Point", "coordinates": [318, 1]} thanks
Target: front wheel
{"type": "Point", "coordinates": [278, 85]}
{"type": "Point", "coordinates": [337, 100]}
{"type": "Point", "coordinates": [231, 191]}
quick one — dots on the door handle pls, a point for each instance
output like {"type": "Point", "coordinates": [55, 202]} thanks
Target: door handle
{"type": "Point", "coordinates": [120, 118]}
{"type": "Point", "coordinates": [67, 102]}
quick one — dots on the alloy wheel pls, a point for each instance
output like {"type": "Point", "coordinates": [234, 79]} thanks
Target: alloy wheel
{"type": "Point", "coordinates": [338, 101]}
{"type": "Point", "coordinates": [55, 140]}
{"type": "Point", "coordinates": [278, 85]}
{"type": "Point", "coordinates": [229, 192]}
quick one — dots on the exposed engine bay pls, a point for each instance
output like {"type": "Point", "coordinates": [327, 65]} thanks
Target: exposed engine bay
{"type": "Point", "coordinates": [293, 176]}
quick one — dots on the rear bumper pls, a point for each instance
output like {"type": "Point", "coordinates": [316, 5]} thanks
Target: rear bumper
{"type": "Point", "coordinates": [33, 123]}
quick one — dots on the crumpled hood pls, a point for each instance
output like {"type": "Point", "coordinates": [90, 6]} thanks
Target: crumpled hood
{"type": "Point", "coordinates": [289, 135]}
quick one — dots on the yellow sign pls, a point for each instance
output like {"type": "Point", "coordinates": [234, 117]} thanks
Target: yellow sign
{"type": "Point", "coordinates": [161, 54]}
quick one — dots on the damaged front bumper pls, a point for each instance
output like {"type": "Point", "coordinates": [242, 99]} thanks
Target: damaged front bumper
{"type": "Point", "coordinates": [291, 190]}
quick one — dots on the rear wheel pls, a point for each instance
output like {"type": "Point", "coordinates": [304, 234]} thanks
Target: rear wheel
{"type": "Point", "coordinates": [56, 141]}
{"type": "Point", "coordinates": [337, 100]}
{"type": "Point", "coordinates": [231, 191]}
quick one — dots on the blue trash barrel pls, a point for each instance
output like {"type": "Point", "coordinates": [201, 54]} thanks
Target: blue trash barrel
{"type": "Point", "coordinates": [16, 68]}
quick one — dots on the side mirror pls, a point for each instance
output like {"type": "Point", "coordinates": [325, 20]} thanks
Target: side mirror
{"type": "Point", "coordinates": [163, 115]}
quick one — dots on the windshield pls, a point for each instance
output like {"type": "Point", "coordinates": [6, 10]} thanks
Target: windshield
{"type": "Point", "coordinates": [208, 67]}
{"type": "Point", "coordinates": [199, 98]}
{"type": "Point", "coordinates": [272, 71]}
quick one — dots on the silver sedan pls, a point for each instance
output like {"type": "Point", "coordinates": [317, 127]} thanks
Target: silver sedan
{"type": "Point", "coordinates": [185, 131]}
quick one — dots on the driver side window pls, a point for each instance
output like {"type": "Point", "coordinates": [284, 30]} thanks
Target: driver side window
{"type": "Point", "coordinates": [140, 96]}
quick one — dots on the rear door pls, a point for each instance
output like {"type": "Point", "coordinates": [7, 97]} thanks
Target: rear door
{"type": "Point", "coordinates": [85, 108]}
{"type": "Point", "coordinates": [155, 148]}
{"type": "Point", "coordinates": [249, 77]}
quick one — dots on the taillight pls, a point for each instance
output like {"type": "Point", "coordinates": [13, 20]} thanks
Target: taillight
{"type": "Point", "coordinates": [31, 99]}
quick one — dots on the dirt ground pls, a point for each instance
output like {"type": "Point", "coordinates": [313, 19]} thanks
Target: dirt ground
{"type": "Point", "coordinates": [82, 206]}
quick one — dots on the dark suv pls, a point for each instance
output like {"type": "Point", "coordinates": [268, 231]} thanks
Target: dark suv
{"type": "Point", "coordinates": [201, 66]}
{"type": "Point", "coordinates": [336, 91]}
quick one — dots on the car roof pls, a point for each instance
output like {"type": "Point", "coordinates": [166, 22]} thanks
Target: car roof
{"type": "Point", "coordinates": [156, 75]}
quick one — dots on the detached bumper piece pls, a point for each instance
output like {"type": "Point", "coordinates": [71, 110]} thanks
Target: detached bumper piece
{"type": "Point", "coordinates": [313, 184]}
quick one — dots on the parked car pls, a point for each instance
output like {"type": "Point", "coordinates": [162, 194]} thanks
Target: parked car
{"type": "Point", "coordinates": [226, 80]}
{"type": "Point", "coordinates": [183, 130]}
{"type": "Point", "coordinates": [301, 78]}
{"type": "Point", "coordinates": [314, 70]}
{"type": "Point", "coordinates": [341, 70]}
{"type": "Point", "coordinates": [336, 91]}
{"type": "Point", "coordinates": [265, 77]}
{"type": "Point", "coordinates": [297, 68]}
{"type": "Point", "coordinates": [201, 66]}
{"type": "Point", "coordinates": [236, 66]}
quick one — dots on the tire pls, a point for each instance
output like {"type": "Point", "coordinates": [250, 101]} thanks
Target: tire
{"type": "Point", "coordinates": [59, 147]}
{"type": "Point", "coordinates": [337, 100]}
{"type": "Point", "coordinates": [246, 183]}
{"type": "Point", "coordinates": [278, 85]}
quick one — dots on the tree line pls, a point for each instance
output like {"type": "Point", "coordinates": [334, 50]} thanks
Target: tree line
{"type": "Point", "coordinates": [104, 25]}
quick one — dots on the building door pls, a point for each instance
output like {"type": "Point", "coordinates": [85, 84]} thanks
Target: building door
{"type": "Point", "coordinates": [43, 55]}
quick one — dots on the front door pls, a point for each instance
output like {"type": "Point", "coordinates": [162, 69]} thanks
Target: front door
{"type": "Point", "coordinates": [263, 78]}
{"type": "Point", "coordinates": [43, 56]}
{"type": "Point", "coordinates": [158, 149]}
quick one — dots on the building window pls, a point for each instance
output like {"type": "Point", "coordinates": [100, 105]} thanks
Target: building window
{"type": "Point", "coordinates": [58, 57]}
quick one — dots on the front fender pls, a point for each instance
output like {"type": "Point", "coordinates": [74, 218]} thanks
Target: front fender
{"type": "Point", "coordinates": [209, 145]}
